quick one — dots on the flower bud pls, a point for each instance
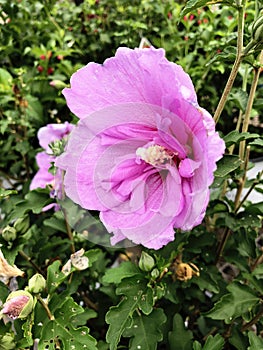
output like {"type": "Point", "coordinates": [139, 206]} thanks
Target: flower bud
{"type": "Point", "coordinates": [58, 84]}
{"type": "Point", "coordinates": [155, 273]}
{"type": "Point", "coordinates": [146, 262]}
{"type": "Point", "coordinates": [257, 29]}
{"type": "Point", "coordinates": [9, 233]}
{"type": "Point", "coordinates": [36, 284]}
{"type": "Point", "coordinates": [19, 304]}
{"type": "Point", "coordinates": [22, 224]}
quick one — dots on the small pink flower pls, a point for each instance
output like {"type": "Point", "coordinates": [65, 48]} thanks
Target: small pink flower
{"type": "Point", "coordinates": [47, 135]}
{"type": "Point", "coordinates": [40, 69]}
{"type": "Point", "coordinates": [42, 57]}
{"type": "Point", "coordinates": [191, 17]}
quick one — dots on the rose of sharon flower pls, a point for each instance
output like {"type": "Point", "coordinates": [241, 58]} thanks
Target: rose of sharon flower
{"type": "Point", "coordinates": [47, 135]}
{"type": "Point", "coordinates": [143, 152]}
{"type": "Point", "coordinates": [19, 304]}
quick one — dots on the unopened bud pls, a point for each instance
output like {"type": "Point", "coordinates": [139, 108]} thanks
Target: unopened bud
{"type": "Point", "coordinates": [22, 224]}
{"type": "Point", "coordinates": [58, 84]}
{"type": "Point", "coordinates": [257, 29]}
{"type": "Point", "coordinates": [146, 262]}
{"type": "Point", "coordinates": [155, 273]}
{"type": "Point", "coordinates": [19, 304]}
{"type": "Point", "coordinates": [36, 284]}
{"type": "Point", "coordinates": [9, 233]}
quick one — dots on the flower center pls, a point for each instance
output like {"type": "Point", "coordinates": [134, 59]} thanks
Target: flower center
{"type": "Point", "coordinates": [155, 155]}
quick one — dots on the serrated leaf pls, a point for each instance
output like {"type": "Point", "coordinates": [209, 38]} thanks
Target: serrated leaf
{"type": "Point", "coordinates": [120, 317]}
{"type": "Point", "coordinates": [257, 142]}
{"type": "Point", "coordinates": [197, 345]}
{"type": "Point", "coordinates": [61, 329]}
{"type": "Point", "coordinates": [146, 331]}
{"type": "Point", "coordinates": [240, 300]}
{"type": "Point", "coordinates": [226, 165]}
{"type": "Point", "coordinates": [54, 276]}
{"type": "Point", "coordinates": [70, 337]}
{"type": "Point", "coordinates": [239, 97]}
{"type": "Point", "coordinates": [117, 274]}
{"type": "Point", "coordinates": [214, 343]}
{"type": "Point", "coordinates": [179, 337]}
{"type": "Point", "coordinates": [255, 342]}
{"type": "Point", "coordinates": [238, 339]}
{"type": "Point", "coordinates": [192, 5]}
{"type": "Point", "coordinates": [227, 55]}
{"type": "Point", "coordinates": [234, 137]}
{"type": "Point", "coordinates": [34, 201]}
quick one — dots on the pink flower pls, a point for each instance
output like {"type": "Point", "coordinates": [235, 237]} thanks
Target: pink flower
{"type": "Point", "coordinates": [19, 304]}
{"type": "Point", "coordinates": [144, 152]}
{"type": "Point", "coordinates": [47, 135]}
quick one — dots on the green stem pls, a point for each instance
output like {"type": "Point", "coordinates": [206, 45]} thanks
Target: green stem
{"type": "Point", "coordinates": [28, 259]}
{"type": "Point", "coordinates": [249, 105]}
{"type": "Point", "coordinates": [236, 65]}
{"type": "Point", "coordinates": [253, 321]}
{"type": "Point", "coordinates": [45, 306]}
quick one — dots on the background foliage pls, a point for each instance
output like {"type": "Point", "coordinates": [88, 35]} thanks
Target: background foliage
{"type": "Point", "coordinates": [123, 298]}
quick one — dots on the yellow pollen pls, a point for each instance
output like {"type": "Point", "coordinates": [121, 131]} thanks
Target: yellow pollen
{"type": "Point", "coordinates": [154, 155]}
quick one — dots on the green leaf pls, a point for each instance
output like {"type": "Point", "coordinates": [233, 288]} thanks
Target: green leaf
{"type": "Point", "coordinates": [192, 5]}
{"type": "Point", "coordinates": [179, 335]}
{"type": "Point", "coordinates": [255, 209]}
{"type": "Point", "coordinates": [226, 165]}
{"type": "Point", "coordinates": [240, 300]}
{"type": "Point", "coordinates": [146, 331]}
{"type": "Point", "coordinates": [62, 329]}
{"type": "Point", "coordinates": [239, 97]}
{"type": "Point", "coordinates": [117, 274]}
{"type": "Point", "coordinates": [257, 142]}
{"type": "Point", "coordinates": [6, 81]}
{"type": "Point", "coordinates": [214, 343]}
{"type": "Point", "coordinates": [34, 201]}
{"type": "Point", "coordinates": [6, 193]}
{"type": "Point", "coordinates": [197, 345]}
{"type": "Point", "coordinates": [54, 276]}
{"type": "Point", "coordinates": [136, 295]}
{"type": "Point", "coordinates": [234, 137]}
{"type": "Point", "coordinates": [255, 341]}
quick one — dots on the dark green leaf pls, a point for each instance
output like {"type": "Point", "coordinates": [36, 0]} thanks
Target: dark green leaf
{"type": "Point", "coordinates": [179, 337]}
{"type": "Point", "coordinates": [234, 137]}
{"type": "Point", "coordinates": [240, 300]}
{"type": "Point", "coordinates": [6, 193]}
{"type": "Point", "coordinates": [214, 343]}
{"type": "Point", "coordinates": [136, 295]}
{"type": "Point", "coordinates": [239, 97]}
{"type": "Point", "coordinates": [226, 165]}
{"type": "Point", "coordinates": [54, 276]}
{"type": "Point", "coordinates": [117, 274]}
{"type": "Point", "coordinates": [255, 341]}
{"type": "Point", "coordinates": [146, 331]}
{"type": "Point", "coordinates": [255, 209]}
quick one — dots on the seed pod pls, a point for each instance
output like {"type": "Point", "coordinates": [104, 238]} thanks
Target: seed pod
{"type": "Point", "coordinates": [22, 224]}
